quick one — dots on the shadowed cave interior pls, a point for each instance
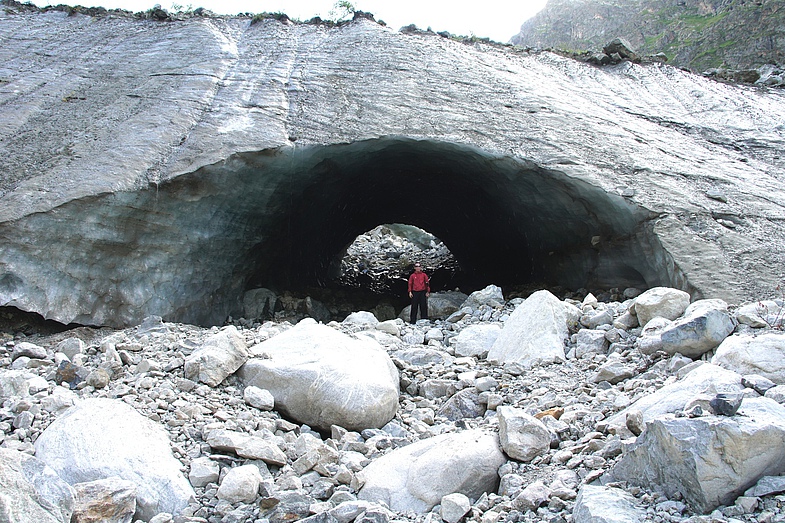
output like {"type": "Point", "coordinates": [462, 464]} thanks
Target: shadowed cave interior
{"type": "Point", "coordinates": [188, 249]}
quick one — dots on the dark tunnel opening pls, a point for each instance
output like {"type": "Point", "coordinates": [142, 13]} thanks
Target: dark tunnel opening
{"type": "Point", "coordinates": [189, 248]}
{"type": "Point", "coordinates": [507, 222]}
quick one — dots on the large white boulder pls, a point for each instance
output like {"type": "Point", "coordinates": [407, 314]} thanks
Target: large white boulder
{"type": "Point", "coordinates": [710, 460]}
{"type": "Point", "coordinates": [703, 326]}
{"type": "Point", "coordinates": [660, 301]}
{"type": "Point", "coordinates": [100, 438]}
{"type": "Point", "coordinates": [416, 477]}
{"type": "Point", "coordinates": [763, 355]}
{"type": "Point", "coordinates": [217, 358]}
{"type": "Point", "coordinates": [322, 377]}
{"type": "Point", "coordinates": [476, 340]}
{"type": "Point", "coordinates": [31, 492]}
{"type": "Point", "coordinates": [490, 295]}
{"type": "Point", "coordinates": [534, 334]}
{"type": "Point", "coordinates": [706, 379]}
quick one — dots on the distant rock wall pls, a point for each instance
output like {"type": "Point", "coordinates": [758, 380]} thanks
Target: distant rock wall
{"type": "Point", "coordinates": [696, 34]}
{"type": "Point", "coordinates": [165, 167]}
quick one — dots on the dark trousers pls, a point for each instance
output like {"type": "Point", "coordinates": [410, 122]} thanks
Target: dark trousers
{"type": "Point", "coordinates": [419, 300]}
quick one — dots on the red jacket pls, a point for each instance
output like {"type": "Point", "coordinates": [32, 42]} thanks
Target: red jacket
{"type": "Point", "coordinates": [419, 281]}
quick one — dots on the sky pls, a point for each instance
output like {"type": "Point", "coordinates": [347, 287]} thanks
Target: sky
{"type": "Point", "coordinates": [498, 20]}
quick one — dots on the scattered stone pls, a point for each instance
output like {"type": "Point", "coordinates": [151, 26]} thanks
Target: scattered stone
{"type": "Point", "coordinates": [476, 340]}
{"type": "Point", "coordinates": [726, 404]}
{"type": "Point", "coordinates": [260, 398]}
{"type": "Point", "coordinates": [218, 357]}
{"type": "Point", "coordinates": [416, 477]}
{"type": "Point", "coordinates": [110, 500]}
{"type": "Point", "coordinates": [763, 355]}
{"type": "Point", "coordinates": [522, 437]}
{"type": "Point", "coordinates": [454, 507]}
{"type": "Point", "coordinates": [603, 504]}
{"type": "Point", "coordinates": [660, 301]}
{"type": "Point", "coordinates": [240, 485]}
{"type": "Point", "coordinates": [703, 326]}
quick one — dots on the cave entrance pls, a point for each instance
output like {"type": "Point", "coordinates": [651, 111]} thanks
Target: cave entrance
{"type": "Point", "coordinates": [381, 260]}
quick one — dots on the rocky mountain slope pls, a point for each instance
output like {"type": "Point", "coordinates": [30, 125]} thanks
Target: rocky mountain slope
{"type": "Point", "coordinates": [696, 34]}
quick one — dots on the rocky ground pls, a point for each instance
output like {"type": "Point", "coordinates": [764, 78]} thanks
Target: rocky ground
{"type": "Point", "coordinates": [556, 417]}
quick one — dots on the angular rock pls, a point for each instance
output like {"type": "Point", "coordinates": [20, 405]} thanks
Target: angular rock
{"type": "Point", "coordinates": [423, 356]}
{"type": "Point", "coordinates": [613, 371]}
{"type": "Point", "coordinates": [590, 342]}
{"type": "Point", "coordinates": [476, 340]}
{"type": "Point", "coordinates": [600, 504]}
{"type": "Point", "coordinates": [110, 500]}
{"type": "Point", "coordinates": [660, 301]}
{"type": "Point", "coordinates": [416, 477]}
{"type": "Point", "coordinates": [703, 326]}
{"type": "Point", "coordinates": [710, 460]}
{"type": "Point", "coordinates": [31, 492]}
{"type": "Point", "coordinates": [726, 404]}
{"type": "Point", "coordinates": [761, 314]}
{"type": "Point", "coordinates": [522, 437]}
{"type": "Point", "coordinates": [621, 47]}
{"type": "Point", "coordinates": [763, 355]}
{"type": "Point", "coordinates": [705, 379]}
{"type": "Point", "coordinates": [101, 438]}
{"type": "Point", "coordinates": [491, 296]}
{"type": "Point", "coordinates": [322, 377]}
{"type": "Point", "coordinates": [463, 404]}
{"type": "Point", "coordinates": [70, 347]}
{"type": "Point", "coordinates": [532, 497]}
{"type": "Point", "coordinates": [246, 446]}
{"type": "Point", "coordinates": [260, 398]}
{"type": "Point", "coordinates": [29, 350]}
{"type": "Point", "coordinates": [203, 471]}
{"type": "Point", "coordinates": [240, 485]}
{"type": "Point", "coordinates": [767, 485]}
{"type": "Point", "coordinates": [361, 319]}
{"type": "Point", "coordinates": [454, 507]}
{"type": "Point", "coordinates": [219, 357]}
{"type": "Point", "coordinates": [534, 334]}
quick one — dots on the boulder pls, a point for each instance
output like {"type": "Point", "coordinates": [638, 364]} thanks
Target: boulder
{"type": "Point", "coordinates": [522, 437]}
{"type": "Point", "coordinates": [761, 314]}
{"type": "Point", "coordinates": [361, 319]}
{"type": "Point", "coordinates": [491, 296]}
{"type": "Point", "coordinates": [703, 326]}
{"type": "Point", "coordinates": [110, 500]}
{"type": "Point", "coordinates": [660, 301]}
{"type": "Point", "coordinates": [476, 340]}
{"type": "Point", "coordinates": [100, 438]}
{"type": "Point", "coordinates": [590, 341]}
{"type": "Point", "coordinates": [31, 492]}
{"type": "Point", "coordinates": [599, 504]}
{"type": "Point", "coordinates": [763, 355]}
{"type": "Point", "coordinates": [416, 477]}
{"type": "Point", "coordinates": [246, 446]}
{"type": "Point", "coordinates": [218, 357]}
{"type": "Point", "coordinates": [534, 334]}
{"type": "Point", "coordinates": [322, 377]}
{"type": "Point", "coordinates": [454, 507]}
{"type": "Point", "coordinates": [709, 460]}
{"type": "Point", "coordinates": [240, 485]}
{"type": "Point", "coordinates": [705, 379]}
{"type": "Point", "coordinates": [203, 471]}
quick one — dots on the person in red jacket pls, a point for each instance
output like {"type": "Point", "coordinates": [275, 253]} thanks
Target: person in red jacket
{"type": "Point", "coordinates": [419, 292]}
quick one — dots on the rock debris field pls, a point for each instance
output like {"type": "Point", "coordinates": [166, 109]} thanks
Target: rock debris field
{"type": "Point", "coordinates": [654, 408]}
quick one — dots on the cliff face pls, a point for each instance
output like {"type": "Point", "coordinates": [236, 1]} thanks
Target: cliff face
{"type": "Point", "coordinates": [166, 167]}
{"type": "Point", "coordinates": [697, 34]}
